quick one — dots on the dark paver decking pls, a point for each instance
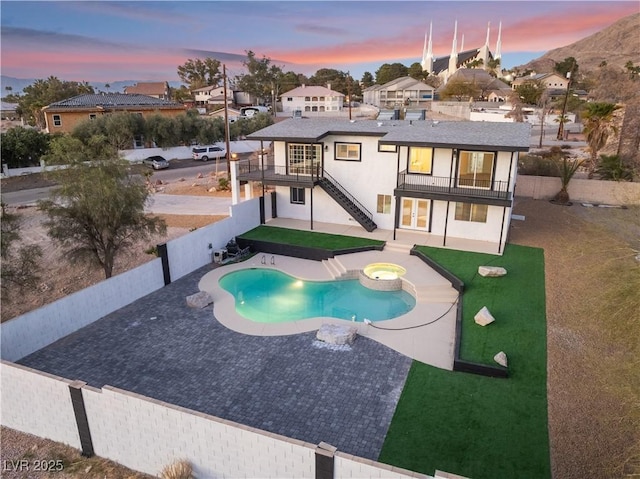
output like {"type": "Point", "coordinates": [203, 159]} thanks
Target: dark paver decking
{"type": "Point", "coordinates": [289, 385]}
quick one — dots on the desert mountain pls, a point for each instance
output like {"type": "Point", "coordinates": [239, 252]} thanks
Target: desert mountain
{"type": "Point", "coordinates": [617, 44]}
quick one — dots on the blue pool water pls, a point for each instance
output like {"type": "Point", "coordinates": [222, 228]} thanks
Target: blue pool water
{"type": "Point", "coordinates": [270, 296]}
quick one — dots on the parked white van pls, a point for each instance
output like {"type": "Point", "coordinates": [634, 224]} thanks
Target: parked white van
{"type": "Point", "coordinates": [249, 111]}
{"type": "Point", "coordinates": [207, 152]}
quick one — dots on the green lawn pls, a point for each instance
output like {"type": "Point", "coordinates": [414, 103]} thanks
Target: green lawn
{"type": "Point", "coordinates": [462, 423]}
{"type": "Point", "coordinates": [477, 426]}
{"type": "Point", "coordinates": [307, 238]}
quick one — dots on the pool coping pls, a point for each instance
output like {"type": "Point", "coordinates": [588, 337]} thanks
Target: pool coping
{"type": "Point", "coordinates": [432, 344]}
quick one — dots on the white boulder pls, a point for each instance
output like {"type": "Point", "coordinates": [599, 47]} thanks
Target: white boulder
{"type": "Point", "coordinates": [491, 271]}
{"type": "Point", "coordinates": [501, 359]}
{"type": "Point", "coordinates": [483, 317]}
{"type": "Point", "coordinates": [336, 334]}
{"type": "Point", "coordinates": [199, 300]}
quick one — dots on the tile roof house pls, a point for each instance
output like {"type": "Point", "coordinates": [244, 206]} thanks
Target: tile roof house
{"type": "Point", "coordinates": [160, 90]}
{"type": "Point", "coordinates": [63, 116]}
{"type": "Point", "coordinates": [452, 182]}
{"type": "Point", "coordinates": [312, 99]}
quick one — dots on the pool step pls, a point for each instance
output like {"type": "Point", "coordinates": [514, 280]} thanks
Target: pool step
{"type": "Point", "coordinates": [436, 294]}
{"type": "Point", "coordinates": [397, 247]}
{"type": "Point", "coordinates": [335, 267]}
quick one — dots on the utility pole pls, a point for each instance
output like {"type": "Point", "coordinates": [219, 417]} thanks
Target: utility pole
{"type": "Point", "coordinates": [226, 122]}
{"type": "Point", "coordinates": [349, 92]}
{"type": "Point", "coordinates": [564, 106]}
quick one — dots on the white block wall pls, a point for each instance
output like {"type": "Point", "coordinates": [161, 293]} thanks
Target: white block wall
{"type": "Point", "coordinates": [346, 465]}
{"type": "Point", "coordinates": [36, 329]}
{"type": "Point", "coordinates": [190, 252]}
{"type": "Point", "coordinates": [594, 191]}
{"type": "Point", "coordinates": [37, 403]}
{"type": "Point", "coordinates": [146, 435]}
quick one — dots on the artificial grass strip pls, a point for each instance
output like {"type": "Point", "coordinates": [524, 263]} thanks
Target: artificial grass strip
{"type": "Point", "coordinates": [327, 241]}
{"type": "Point", "coordinates": [471, 425]}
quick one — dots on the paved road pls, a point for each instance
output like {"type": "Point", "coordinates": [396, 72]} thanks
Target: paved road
{"type": "Point", "coordinates": [188, 205]}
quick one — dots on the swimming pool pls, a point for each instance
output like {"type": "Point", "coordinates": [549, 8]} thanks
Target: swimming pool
{"type": "Point", "coordinates": [270, 296]}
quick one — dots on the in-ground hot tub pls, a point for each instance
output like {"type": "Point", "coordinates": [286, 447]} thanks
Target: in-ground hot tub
{"type": "Point", "coordinates": [382, 276]}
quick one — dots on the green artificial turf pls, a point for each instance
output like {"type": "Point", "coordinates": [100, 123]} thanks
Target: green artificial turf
{"type": "Point", "coordinates": [477, 426]}
{"type": "Point", "coordinates": [307, 238]}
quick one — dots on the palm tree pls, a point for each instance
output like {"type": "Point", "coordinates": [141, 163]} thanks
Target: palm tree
{"type": "Point", "coordinates": [597, 129]}
{"type": "Point", "coordinates": [568, 168]}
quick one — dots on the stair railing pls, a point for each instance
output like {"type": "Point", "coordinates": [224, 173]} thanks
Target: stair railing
{"type": "Point", "coordinates": [349, 196]}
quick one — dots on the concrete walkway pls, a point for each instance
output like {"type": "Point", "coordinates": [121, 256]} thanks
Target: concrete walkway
{"type": "Point", "coordinates": [426, 333]}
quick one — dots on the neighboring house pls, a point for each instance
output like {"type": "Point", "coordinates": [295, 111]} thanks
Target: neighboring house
{"type": "Point", "coordinates": [549, 80]}
{"type": "Point", "coordinates": [63, 116]}
{"type": "Point", "coordinates": [232, 114]}
{"type": "Point", "coordinates": [401, 92]}
{"type": "Point", "coordinates": [8, 110]}
{"type": "Point", "coordinates": [212, 95]}
{"type": "Point", "coordinates": [312, 99]}
{"type": "Point", "coordinates": [443, 179]}
{"type": "Point", "coordinates": [160, 90]}
{"type": "Point", "coordinates": [481, 79]}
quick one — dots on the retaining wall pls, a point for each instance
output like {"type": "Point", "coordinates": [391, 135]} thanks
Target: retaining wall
{"type": "Point", "coordinates": [146, 435]}
{"type": "Point", "coordinates": [591, 191]}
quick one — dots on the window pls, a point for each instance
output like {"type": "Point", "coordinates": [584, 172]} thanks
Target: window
{"type": "Point", "coordinates": [420, 160]}
{"type": "Point", "coordinates": [348, 151]}
{"type": "Point", "coordinates": [384, 204]}
{"type": "Point", "coordinates": [307, 98]}
{"type": "Point", "coordinates": [92, 116]}
{"type": "Point", "coordinates": [57, 120]}
{"type": "Point", "coordinates": [303, 159]}
{"type": "Point", "coordinates": [475, 169]}
{"type": "Point", "coordinates": [138, 141]}
{"type": "Point", "coordinates": [297, 196]}
{"type": "Point", "coordinates": [387, 148]}
{"type": "Point", "coordinates": [289, 98]}
{"type": "Point", "coordinates": [470, 212]}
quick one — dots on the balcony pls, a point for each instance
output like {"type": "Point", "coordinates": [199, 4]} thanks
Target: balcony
{"type": "Point", "coordinates": [452, 189]}
{"type": "Point", "coordinates": [303, 177]}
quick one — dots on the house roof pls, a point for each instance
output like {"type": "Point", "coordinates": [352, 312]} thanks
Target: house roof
{"type": "Point", "coordinates": [311, 91]}
{"type": "Point", "coordinates": [402, 83]}
{"type": "Point", "coordinates": [442, 63]}
{"type": "Point", "coordinates": [207, 88]}
{"type": "Point", "coordinates": [147, 88]}
{"type": "Point", "coordinates": [112, 100]}
{"type": "Point", "coordinates": [497, 136]}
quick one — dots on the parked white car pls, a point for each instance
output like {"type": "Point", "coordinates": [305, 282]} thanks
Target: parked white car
{"type": "Point", "coordinates": [208, 152]}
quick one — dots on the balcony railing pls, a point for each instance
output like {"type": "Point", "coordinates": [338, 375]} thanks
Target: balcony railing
{"type": "Point", "coordinates": [454, 186]}
{"type": "Point", "coordinates": [254, 171]}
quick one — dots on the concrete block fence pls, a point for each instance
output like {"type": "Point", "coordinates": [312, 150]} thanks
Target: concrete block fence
{"type": "Point", "coordinates": [36, 329]}
{"type": "Point", "coordinates": [580, 190]}
{"type": "Point", "coordinates": [145, 434]}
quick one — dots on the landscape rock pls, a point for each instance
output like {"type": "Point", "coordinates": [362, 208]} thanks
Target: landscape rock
{"type": "Point", "coordinates": [199, 300]}
{"type": "Point", "coordinates": [491, 271]}
{"type": "Point", "coordinates": [483, 317]}
{"type": "Point", "coordinates": [501, 359]}
{"type": "Point", "coordinates": [336, 334]}
{"type": "Point", "coordinates": [199, 175]}
{"type": "Point", "coordinates": [212, 189]}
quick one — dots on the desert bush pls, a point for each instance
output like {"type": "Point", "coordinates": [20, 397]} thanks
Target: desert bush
{"type": "Point", "coordinates": [177, 470]}
{"type": "Point", "coordinates": [537, 166]}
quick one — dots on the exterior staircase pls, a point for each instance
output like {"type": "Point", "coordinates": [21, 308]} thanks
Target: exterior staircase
{"type": "Point", "coordinates": [348, 202]}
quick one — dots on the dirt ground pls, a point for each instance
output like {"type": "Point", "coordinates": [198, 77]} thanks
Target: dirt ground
{"type": "Point", "coordinates": [592, 284]}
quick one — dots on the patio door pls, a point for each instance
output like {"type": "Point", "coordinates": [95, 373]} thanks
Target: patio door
{"type": "Point", "coordinates": [415, 214]}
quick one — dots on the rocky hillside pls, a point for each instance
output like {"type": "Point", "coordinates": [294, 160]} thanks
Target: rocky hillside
{"type": "Point", "coordinates": [616, 44]}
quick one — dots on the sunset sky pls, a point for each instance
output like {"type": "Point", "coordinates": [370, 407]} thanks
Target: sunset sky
{"type": "Point", "coordinates": [139, 40]}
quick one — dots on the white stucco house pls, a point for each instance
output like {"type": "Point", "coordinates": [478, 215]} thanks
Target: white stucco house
{"type": "Point", "coordinates": [312, 99]}
{"type": "Point", "coordinates": [441, 179]}
{"type": "Point", "coordinates": [212, 95]}
{"type": "Point", "coordinates": [398, 93]}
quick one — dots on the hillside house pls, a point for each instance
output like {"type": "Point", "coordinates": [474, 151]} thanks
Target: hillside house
{"type": "Point", "coordinates": [442, 179]}
{"type": "Point", "coordinates": [63, 116]}
{"type": "Point", "coordinates": [548, 80]}
{"type": "Point", "coordinates": [160, 90]}
{"type": "Point", "coordinates": [312, 99]}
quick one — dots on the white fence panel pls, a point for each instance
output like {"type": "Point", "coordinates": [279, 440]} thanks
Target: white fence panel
{"type": "Point", "coordinates": [146, 435]}
{"type": "Point", "coordinates": [36, 329]}
{"type": "Point", "coordinates": [190, 252]}
{"type": "Point", "coordinates": [38, 403]}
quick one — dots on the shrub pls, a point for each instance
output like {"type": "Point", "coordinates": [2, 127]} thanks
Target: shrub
{"type": "Point", "coordinates": [612, 168]}
{"type": "Point", "coordinates": [537, 166]}
{"type": "Point", "coordinates": [178, 470]}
